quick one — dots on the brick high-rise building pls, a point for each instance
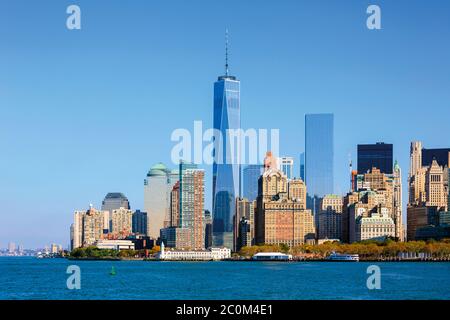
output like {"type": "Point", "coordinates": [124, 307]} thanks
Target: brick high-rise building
{"type": "Point", "coordinates": [280, 219]}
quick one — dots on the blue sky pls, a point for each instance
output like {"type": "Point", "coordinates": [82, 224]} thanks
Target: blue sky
{"type": "Point", "coordinates": [87, 112]}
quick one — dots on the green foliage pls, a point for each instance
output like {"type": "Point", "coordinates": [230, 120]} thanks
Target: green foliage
{"type": "Point", "coordinates": [369, 249]}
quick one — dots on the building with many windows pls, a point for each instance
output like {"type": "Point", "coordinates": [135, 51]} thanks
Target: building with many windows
{"type": "Point", "coordinates": [286, 165]}
{"type": "Point", "coordinates": [157, 188]}
{"type": "Point", "coordinates": [378, 155]}
{"type": "Point", "coordinates": [330, 217]}
{"type": "Point", "coordinates": [250, 176]}
{"type": "Point", "coordinates": [319, 159]}
{"type": "Point", "coordinates": [226, 176]}
{"type": "Point", "coordinates": [280, 219]}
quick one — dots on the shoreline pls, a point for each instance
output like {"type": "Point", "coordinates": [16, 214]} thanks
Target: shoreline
{"type": "Point", "coordinates": [251, 260]}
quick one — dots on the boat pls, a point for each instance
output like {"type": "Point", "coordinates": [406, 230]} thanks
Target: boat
{"type": "Point", "coordinates": [113, 271]}
{"type": "Point", "coordinates": [343, 257]}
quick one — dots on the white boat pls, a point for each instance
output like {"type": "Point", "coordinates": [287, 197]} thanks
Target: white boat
{"type": "Point", "coordinates": [343, 257]}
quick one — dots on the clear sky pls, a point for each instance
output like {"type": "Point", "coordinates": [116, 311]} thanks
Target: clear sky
{"type": "Point", "coordinates": [86, 112]}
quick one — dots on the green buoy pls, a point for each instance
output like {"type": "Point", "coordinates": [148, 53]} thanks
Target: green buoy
{"type": "Point", "coordinates": [113, 271]}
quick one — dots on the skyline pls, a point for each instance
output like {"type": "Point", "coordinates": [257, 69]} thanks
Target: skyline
{"type": "Point", "coordinates": [91, 118]}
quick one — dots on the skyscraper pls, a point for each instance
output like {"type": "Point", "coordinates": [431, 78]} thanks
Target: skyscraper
{"type": "Point", "coordinates": [226, 168]}
{"type": "Point", "coordinates": [139, 224]}
{"type": "Point", "coordinates": [251, 174]}
{"type": "Point", "coordinates": [192, 189]}
{"type": "Point", "coordinates": [319, 155]}
{"type": "Point", "coordinates": [302, 166]}
{"type": "Point", "coordinates": [440, 155]}
{"type": "Point", "coordinates": [286, 164]}
{"type": "Point", "coordinates": [115, 200]}
{"type": "Point", "coordinates": [377, 155]}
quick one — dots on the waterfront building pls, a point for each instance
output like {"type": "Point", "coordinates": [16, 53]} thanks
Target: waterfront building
{"type": "Point", "coordinates": [121, 223]}
{"type": "Point", "coordinates": [419, 217]}
{"type": "Point", "coordinates": [114, 244]}
{"type": "Point", "coordinates": [244, 222]}
{"type": "Point", "coordinates": [227, 165]}
{"type": "Point", "coordinates": [286, 164]}
{"type": "Point", "coordinates": [330, 217]}
{"type": "Point", "coordinates": [374, 225]}
{"type": "Point", "coordinates": [139, 223]}
{"type": "Point", "coordinates": [221, 253]}
{"type": "Point", "coordinates": [280, 219]}
{"type": "Point", "coordinates": [192, 189]}
{"type": "Point", "coordinates": [378, 155]}
{"type": "Point", "coordinates": [251, 174]}
{"type": "Point", "coordinates": [89, 226]}
{"type": "Point", "coordinates": [319, 159]}
{"type": "Point", "coordinates": [157, 188]}
{"type": "Point", "coordinates": [177, 237]}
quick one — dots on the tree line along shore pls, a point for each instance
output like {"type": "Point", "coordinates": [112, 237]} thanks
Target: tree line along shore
{"type": "Point", "coordinates": [367, 250]}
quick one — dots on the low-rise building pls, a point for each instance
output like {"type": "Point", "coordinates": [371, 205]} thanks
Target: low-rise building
{"type": "Point", "coordinates": [195, 255]}
{"type": "Point", "coordinates": [376, 226]}
{"type": "Point", "coordinates": [115, 244]}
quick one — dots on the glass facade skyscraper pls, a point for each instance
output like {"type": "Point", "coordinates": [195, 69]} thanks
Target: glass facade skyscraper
{"type": "Point", "coordinates": [286, 165]}
{"type": "Point", "coordinates": [226, 168]}
{"type": "Point", "coordinates": [319, 155]}
{"type": "Point", "coordinates": [302, 166]}
{"type": "Point", "coordinates": [378, 155]}
{"type": "Point", "coordinates": [251, 174]}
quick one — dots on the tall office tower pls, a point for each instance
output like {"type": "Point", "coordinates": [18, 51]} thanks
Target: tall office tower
{"type": "Point", "coordinates": [251, 174]}
{"type": "Point", "coordinates": [157, 188]}
{"type": "Point", "coordinates": [245, 211]}
{"type": "Point", "coordinates": [115, 200]}
{"type": "Point", "coordinates": [415, 153]}
{"type": "Point", "coordinates": [208, 229]}
{"type": "Point", "coordinates": [440, 155]}
{"type": "Point", "coordinates": [175, 205]}
{"type": "Point", "coordinates": [139, 223]}
{"type": "Point", "coordinates": [319, 159]}
{"type": "Point", "coordinates": [434, 186]}
{"type": "Point", "coordinates": [121, 222]}
{"type": "Point", "coordinates": [302, 166]}
{"type": "Point", "coordinates": [377, 155]}
{"type": "Point", "coordinates": [192, 189]}
{"type": "Point", "coordinates": [280, 219]}
{"type": "Point", "coordinates": [88, 227]}
{"type": "Point", "coordinates": [398, 202]}
{"type": "Point", "coordinates": [226, 167]}
{"type": "Point", "coordinates": [350, 199]}
{"type": "Point", "coordinates": [286, 164]}
{"type": "Point", "coordinates": [297, 191]}
{"type": "Point", "coordinates": [330, 217]}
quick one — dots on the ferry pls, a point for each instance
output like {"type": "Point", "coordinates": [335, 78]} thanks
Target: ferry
{"type": "Point", "coordinates": [343, 257]}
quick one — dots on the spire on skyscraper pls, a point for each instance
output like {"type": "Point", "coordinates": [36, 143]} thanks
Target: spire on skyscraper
{"type": "Point", "coordinates": [226, 52]}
